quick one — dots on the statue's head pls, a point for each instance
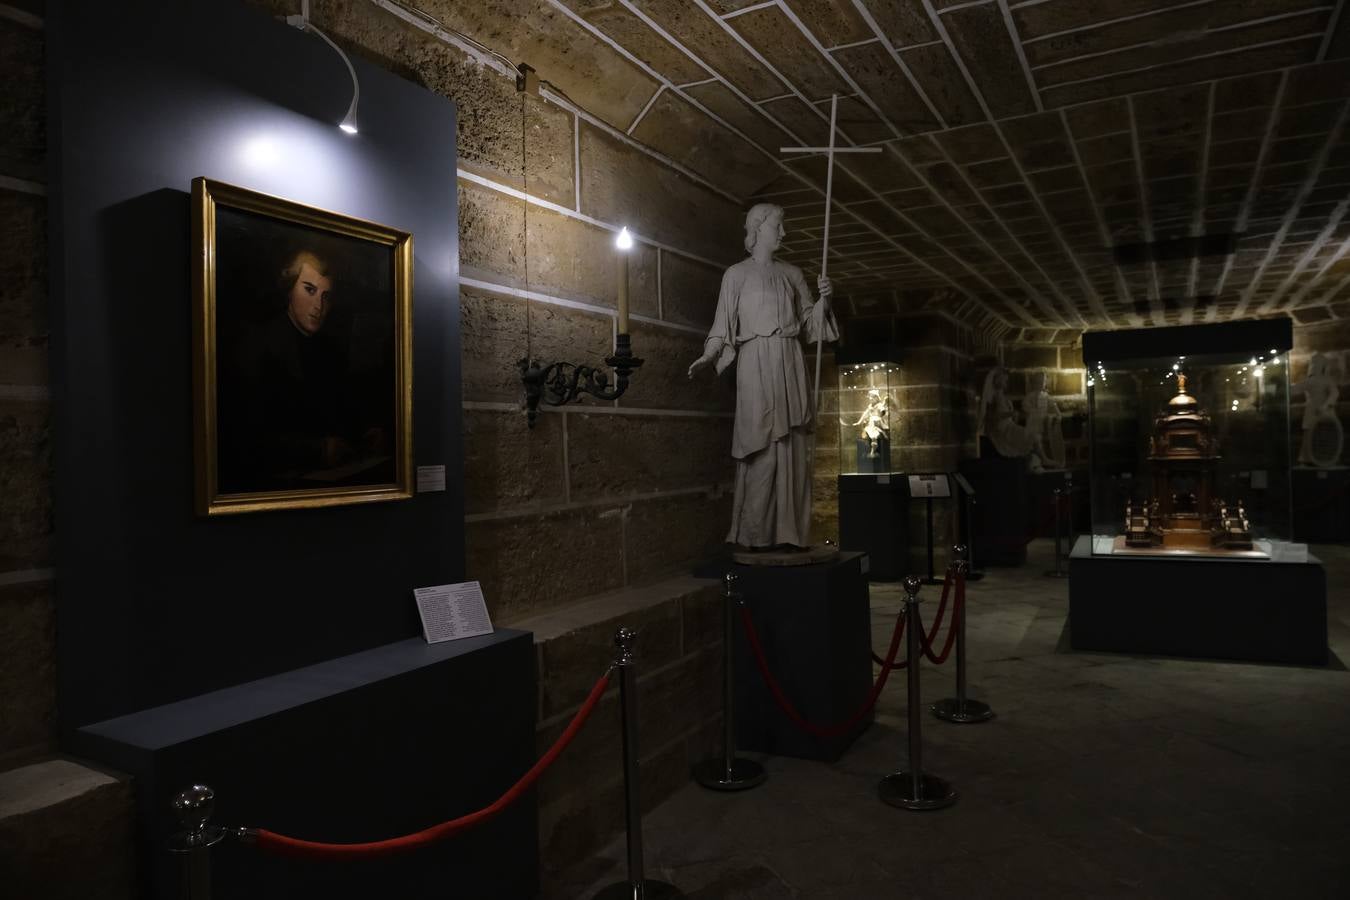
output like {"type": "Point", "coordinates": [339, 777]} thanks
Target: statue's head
{"type": "Point", "coordinates": [1317, 365]}
{"type": "Point", "coordinates": [764, 222]}
{"type": "Point", "coordinates": [1036, 383]}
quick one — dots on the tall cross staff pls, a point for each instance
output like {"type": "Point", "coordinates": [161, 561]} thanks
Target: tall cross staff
{"type": "Point", "coordinates": [829, 152]}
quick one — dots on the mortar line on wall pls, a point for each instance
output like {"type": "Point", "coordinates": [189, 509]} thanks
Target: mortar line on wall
{"type": "Point", "coordinates": [28, 392]}
{"type": "Point", "coordinates": [579, 216]}
{"type": "Point", "coordinates": [1318, 163]}
{"type": "Point", "coordinates": [1316, 279]}
{"type": "Point", "coordinates": [615, 503]}
{"type": "Point", "coordinates": [850, 46]}
{"type": "Point", "coordinates": [576, 161]}
{"type": "Point", "coordinates": [553, 299]}
{"type": "Point", "coordinates": [1331, 30]}
{"type": "Point", "coordinates": [504, 406]}
{"type": "Point", "coordinates": [660, 300]}
{"type": "Point", "coordinates": [1236, 26]}
{"type": "Point", "coordinates": [21, 17]}
{"type": "Point", "coordinates": [1198, 218]}
{"type": "Point", "coordinates": [1106, 22]}
{"type": "Point", "coordinates": [751, 8]}
{"type": "Point", "coordinates": [1177, 62]}
{"type": "Point", "coordinates": [693, 84]}
{"type": "Point", "coordinates": [642, 113]}
{"type": "Point", "coordinates": [968, 5]}
{"type": "Point", "coordinates": [1016, 39]}
{"type": "Point", "coordinates": [1145, 216]}
{"type": "Point", "coordinates": [26, 576]}
{"type": "Point", "coordinates": [22, 185]}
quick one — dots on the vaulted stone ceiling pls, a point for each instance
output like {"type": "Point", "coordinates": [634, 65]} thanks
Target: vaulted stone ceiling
{"type": "Point", "coordinates": [1023, 141]}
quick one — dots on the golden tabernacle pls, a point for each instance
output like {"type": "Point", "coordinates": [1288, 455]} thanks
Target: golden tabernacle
{"type": "Point", "coordinates": [1183, 512]}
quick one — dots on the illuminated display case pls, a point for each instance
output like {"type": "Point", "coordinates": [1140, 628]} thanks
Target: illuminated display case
{"type": "Point", "coordinates": [869, 417]}
{"type": "Point", "coordinates": [1189, 434]}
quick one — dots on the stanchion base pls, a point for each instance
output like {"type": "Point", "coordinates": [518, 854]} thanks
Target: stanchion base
{"type": "Point", "coordinates": [745, 774]}
{"type": "Point", "coordinates": [897, 790]}
{"type": "Point", "coordinates": [1057, 573]}
{"type": "Point", "coordinates": [952, 710]}
{"type": "Point", "coordinates": [649, 890]}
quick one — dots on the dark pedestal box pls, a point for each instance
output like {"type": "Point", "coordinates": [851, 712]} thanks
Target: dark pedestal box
{"type": "Point", "coordinates": [873, 520]}
{"type": "Point", "coordinates": [1321, 505]}
{"type": "Point", "coordinates": [369, 746]}
{"type": "Point", "coordinates": [815, 625]}
{"type": "Point", "coordinates": [1000, 512]}
{"type": "Point", "coordinates": [1255, 610]}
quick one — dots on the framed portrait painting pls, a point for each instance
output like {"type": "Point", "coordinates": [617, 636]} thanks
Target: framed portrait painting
{"type": "Point", "coordinates": [302, 331]}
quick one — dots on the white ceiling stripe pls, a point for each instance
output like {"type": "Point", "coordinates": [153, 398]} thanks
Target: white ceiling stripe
{"type": "Point", "coordinates": [1145, 216]}
{"type": "Point", "coordinates": [1198, 216]}
{"type": "Point", "coordinates": [1021, 53]}
{"type": "Point", "coordinates": [895, 55]}
{"type": "Point", "coordinates": [1331, 30]}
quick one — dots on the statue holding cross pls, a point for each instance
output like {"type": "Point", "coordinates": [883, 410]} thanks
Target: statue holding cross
{"type": "Point", "coordinates": [763, 309]}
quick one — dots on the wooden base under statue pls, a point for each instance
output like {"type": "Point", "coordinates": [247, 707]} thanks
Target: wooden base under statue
{"type": "Point", "coordinates": [807, 556]}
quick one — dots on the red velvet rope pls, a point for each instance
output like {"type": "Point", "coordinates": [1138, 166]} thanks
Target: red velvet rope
{"type": "Point", "coordinates": [927, 640]}
{"type": "Point", "coordinates": [786, 705]}
{"type": "Point", "coordinates": [280, 844]}
{"type": "Point", "coordinates": [958, 612]}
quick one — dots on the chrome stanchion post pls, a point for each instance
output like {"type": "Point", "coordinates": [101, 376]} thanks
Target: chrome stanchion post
{"type": "Point", "coordinates": [638, 886]}
{"type": "Point", "coordinates": [1058, 571]}
{"type": "Point", "coordinates": [912, 789]}
{"type": "Point", "coordinates": [961, 709]}
{"type": "Point", "coordinates": [194, 840]}
{"type": "Point", "coordinates": [727, 773]}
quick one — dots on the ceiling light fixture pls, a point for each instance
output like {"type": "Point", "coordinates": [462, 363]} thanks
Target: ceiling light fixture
{"type": "Point", "coordinates": [348, 123]}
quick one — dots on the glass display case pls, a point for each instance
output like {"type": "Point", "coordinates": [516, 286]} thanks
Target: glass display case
{"type": "Point", "coordinates": [1189, 440]}
{"type": "Point", "coordinates": [868, 417]}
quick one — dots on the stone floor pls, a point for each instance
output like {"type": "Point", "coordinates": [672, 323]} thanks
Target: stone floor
{"type": "Point", "coordinates": [1102, 776]}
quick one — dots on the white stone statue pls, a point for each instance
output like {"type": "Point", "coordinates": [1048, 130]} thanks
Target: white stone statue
{"type": "Point", "coordinates": [763, 310]}
{"type": "Point", "coordinates": [997, 420]}
{"type": "Point", "coordinates": [1044, 424]}
{"type": "Point", "coordinates": [1323, 436]}
{"type": "Point", "coordinates": [875, 420]}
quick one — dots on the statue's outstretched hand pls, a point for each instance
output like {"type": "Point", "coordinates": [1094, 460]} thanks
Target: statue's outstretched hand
{"type": "Point", "coordinates": [699, 364]}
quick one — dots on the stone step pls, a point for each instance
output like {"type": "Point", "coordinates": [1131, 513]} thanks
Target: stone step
{"type": "Point", "coordinates": [66, 832]}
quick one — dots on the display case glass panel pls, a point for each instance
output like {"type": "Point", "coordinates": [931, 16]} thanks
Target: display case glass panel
{"type": "Point", "coordinates": [1190, 452]}
{"type": "Point", "coordinates": [868, 418]}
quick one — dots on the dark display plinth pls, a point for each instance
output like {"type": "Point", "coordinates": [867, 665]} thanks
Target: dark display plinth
{"type": "Point", "coordinates": [1000, 512]}
{"type": "Point", "coordinates": [815, 625]}
{"type": "Point", "coordinates": [1322, 505]}
{"type": "Point", "coordinates": [370, 746]}
{"type": "Point", "coordinates": [1257, 610]}
{"type": "Point", "coordinates": [873, 520]}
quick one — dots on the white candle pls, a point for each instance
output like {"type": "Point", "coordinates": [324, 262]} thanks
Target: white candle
{"type": "Point", "coordinates": [624, 242]}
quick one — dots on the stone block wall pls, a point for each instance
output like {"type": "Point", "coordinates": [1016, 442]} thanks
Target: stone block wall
{"type": "Point", "coordinates": [27, 610]}
{"type": "Point", "coordinates": [1059, 353]}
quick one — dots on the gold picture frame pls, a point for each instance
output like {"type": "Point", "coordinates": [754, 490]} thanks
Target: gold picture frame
{"type": "Point", "coordinates": [302, 354]}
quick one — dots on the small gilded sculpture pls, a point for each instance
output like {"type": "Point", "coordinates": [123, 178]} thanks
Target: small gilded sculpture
{"type": "Point", "coordinates": [1323, 436]}
{"type": "Point", "coordinates": [876, 422]}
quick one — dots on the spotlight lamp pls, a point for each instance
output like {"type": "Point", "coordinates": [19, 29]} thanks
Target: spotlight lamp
{"type": "Point", "coordinates": [302, 22]}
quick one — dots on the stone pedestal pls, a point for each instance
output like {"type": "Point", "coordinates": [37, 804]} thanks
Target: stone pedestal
{"type": "Point", "coordinates": [1321, 504]}
{"type": "Point", "coordinates": [815, 625]}
{"type": "Point", "coordinates": [1247, 609]}
{"type": "Point", "coordinates": [873, 520]}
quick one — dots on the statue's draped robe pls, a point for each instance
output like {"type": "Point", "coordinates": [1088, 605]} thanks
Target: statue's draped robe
{"type": "Point", "coordinates": [762, 312]}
